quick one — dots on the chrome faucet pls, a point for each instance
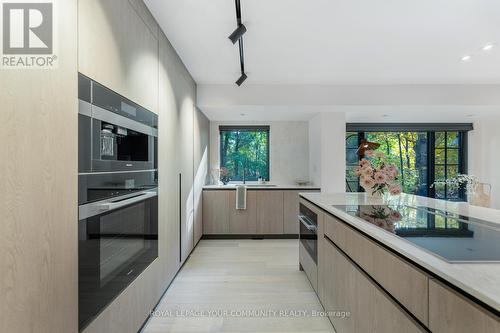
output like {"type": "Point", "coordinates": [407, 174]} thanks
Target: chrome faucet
{"type": "Point", "coordinates": [244, 165]}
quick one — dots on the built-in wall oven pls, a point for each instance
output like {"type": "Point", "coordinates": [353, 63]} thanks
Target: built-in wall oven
{"type": "Point", "coordinates": [117, 240]}
{"type": "Point", "coordinates": [117, 196]}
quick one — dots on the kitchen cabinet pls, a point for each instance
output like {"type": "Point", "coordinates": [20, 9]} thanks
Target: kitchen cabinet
{"type": "Point", "coordinates": [216, 212]}
{"type": "Point", "coordinates": [38, 191]}
{"type": "Point", "coordinates": [270, 212]}
{"type": "Point", "coordinates": [349, 289]}
{"type": "Point", "coordinates": [121, 46]}
{"type": "Point", "coordinates": [201, 132]}
{"type": "Point", "coordinates": [402, 280]}
{"type": "Point", "coordinates": [243, 222]}
{"type": "Point", "coordinates": [186, 176]}
{"type": "Point", "coordinates": [384, 291]}
{"type": "Point", "coordinates": [118, 48]}
{"type": "Point", "coordinates": [451, 312]}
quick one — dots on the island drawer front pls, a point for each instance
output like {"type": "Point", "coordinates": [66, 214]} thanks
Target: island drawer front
{"type": "Point", "coordinates": [309, 267]}
{"type": "Point", "coordinates": [451, 312]}
{"type": "Point", "coordinates": [349, 289]}
{"type": "Point", "coordinates": [404, 282]}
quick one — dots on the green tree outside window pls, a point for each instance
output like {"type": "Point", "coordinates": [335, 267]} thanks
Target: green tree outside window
{"type": "Point", "coordinates": [244, 150]}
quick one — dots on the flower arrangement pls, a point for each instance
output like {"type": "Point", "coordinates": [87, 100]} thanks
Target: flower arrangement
{"type": "Point", "coordinates": [377, 176]}
{"type": "Point", "coordinates": [470, 182]}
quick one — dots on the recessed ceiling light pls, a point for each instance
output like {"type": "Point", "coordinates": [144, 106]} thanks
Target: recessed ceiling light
{"type": "Point", "coordinates": [242, 114]}
{"type": "Point", "coordinates": [466, 58]}
{"type": "Point", "coordinates": [470, 115]}
{"type": "Point", "coordinates": [488, 47]}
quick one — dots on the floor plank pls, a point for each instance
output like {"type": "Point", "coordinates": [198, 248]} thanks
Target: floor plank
{"type": "Point", "coordinates": [240, 286]}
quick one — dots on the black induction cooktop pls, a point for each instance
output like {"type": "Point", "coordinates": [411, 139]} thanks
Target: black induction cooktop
{"type": "Point", "coordinates": [451, 237]}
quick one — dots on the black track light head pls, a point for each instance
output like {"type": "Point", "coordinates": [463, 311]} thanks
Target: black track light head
{"type": "Point", "coordinates": [238, 33]}
{"type": "Point", "coordinates": [242, 79]}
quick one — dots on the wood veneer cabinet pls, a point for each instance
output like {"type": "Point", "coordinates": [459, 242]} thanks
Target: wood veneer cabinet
{"type": "Point", "coordinates": [118, 47]}
{"type": "Point", "coordinates": [402, 280]}
{"type": "Point", "coordinates": [349, 289]}
{"type": "Point", "coordinates": [451, 312]}
{"type": "Point", "coordinates": [270, 212]}
{"type": "Point", "coordinates": [216, 212]}
{"type": "Point", "coordinates": [243, 222]}
{"type": "Point", "coordinates": [38, 196]}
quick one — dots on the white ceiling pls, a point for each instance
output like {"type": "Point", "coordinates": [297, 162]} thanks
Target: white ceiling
{"type": "Point", "coordinates": [336, 42]}
{"type": "Point", "coordinates": [294, 44]}
{"type": "Point", "coordinates": [356, 114]}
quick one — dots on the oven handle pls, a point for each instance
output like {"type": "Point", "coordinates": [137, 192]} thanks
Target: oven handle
{"type": "Point", "coordinates": [305, 221]}
{"type": "Point", "coordinates": [98, 208]}
{"type": "Point", "coordinates": [109, 206]}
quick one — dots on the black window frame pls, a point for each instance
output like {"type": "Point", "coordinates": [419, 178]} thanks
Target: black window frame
{"type": "Point", "coordinates": [431, 129]}
{"type": "Point", "coordinates": [249, 128]}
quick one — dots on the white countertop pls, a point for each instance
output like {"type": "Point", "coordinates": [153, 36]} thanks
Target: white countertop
{"type": "Point", "coordinates": [480, 280]}
{"type": "Point", "coordinates": [255, 186]}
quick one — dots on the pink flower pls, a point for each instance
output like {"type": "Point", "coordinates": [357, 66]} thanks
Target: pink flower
{"type": "Point", "coordinates": [380, 177]}
{"type": "Point", "coordinates": [364, 163]}
{"type": "Point", "coordinates": [395, 216]}
{"type": "Point", "coordinates": [367, 182]}
{"type": "Point", "coordinates": [367, 171]}
{"type": "Point", "coordinates": [395, 189]}
{"type": "Point", "coordinates": [392, 170]}
{"type": "Point", "coordinates": [357, 171]}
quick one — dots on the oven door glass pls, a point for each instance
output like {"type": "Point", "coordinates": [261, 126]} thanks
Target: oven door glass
{"type": "Point", "coordinates": [309, 240]}
{"type": "Point", "coordinates": [118, 148]}
{"type": "Point", "coordinates": [114, 248]}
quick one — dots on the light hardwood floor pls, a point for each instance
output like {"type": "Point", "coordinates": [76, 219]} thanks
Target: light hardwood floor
{"type": "Point", "coordinates": [235, 275]}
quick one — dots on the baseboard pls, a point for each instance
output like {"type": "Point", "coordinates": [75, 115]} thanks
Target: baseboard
{"type": "Point", "coordinates": [255, 237]}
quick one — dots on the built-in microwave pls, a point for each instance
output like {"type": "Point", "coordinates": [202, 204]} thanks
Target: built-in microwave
{"type": "Point", "coordinates": [114, 133]}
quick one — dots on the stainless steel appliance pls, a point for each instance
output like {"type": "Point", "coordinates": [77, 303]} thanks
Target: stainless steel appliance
{"type": "Point", "coordinates": [117, 240]}
{"type": "Point", "coordinates": [117, 196]}
{"type": "Point", "coordinates": [308, 246]}
{"type": "Point", "coordinates": [308, 232]}
{"type": "Point", "coordinates": [114, 133]}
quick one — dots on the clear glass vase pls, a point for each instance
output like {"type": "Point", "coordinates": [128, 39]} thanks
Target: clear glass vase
{"type": "Point", "coordinates": [480, 195]}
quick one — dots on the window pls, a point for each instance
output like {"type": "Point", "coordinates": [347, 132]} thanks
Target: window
{"type": "Point", "coordinates": [422, 153]}
{"type": "Point", "coordinates": [352, 144]}
{"type": "Point", "coordinates": [447, 163]}
{"type": "Point", "coordinates": [244, 151]}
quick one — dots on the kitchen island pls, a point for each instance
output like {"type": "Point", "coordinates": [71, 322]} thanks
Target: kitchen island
{"type": "Point", "coordinates": [406, 263]}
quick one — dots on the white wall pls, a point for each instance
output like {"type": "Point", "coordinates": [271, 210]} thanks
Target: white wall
{"type": "Point", "coordinates": [327, 161]}
{"type": "Point", "coordinates": [484, 157]}
{"type": "Point", "coordinates": [289, 149]}
{"type": "Point", "coordinates": [315, 150]}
